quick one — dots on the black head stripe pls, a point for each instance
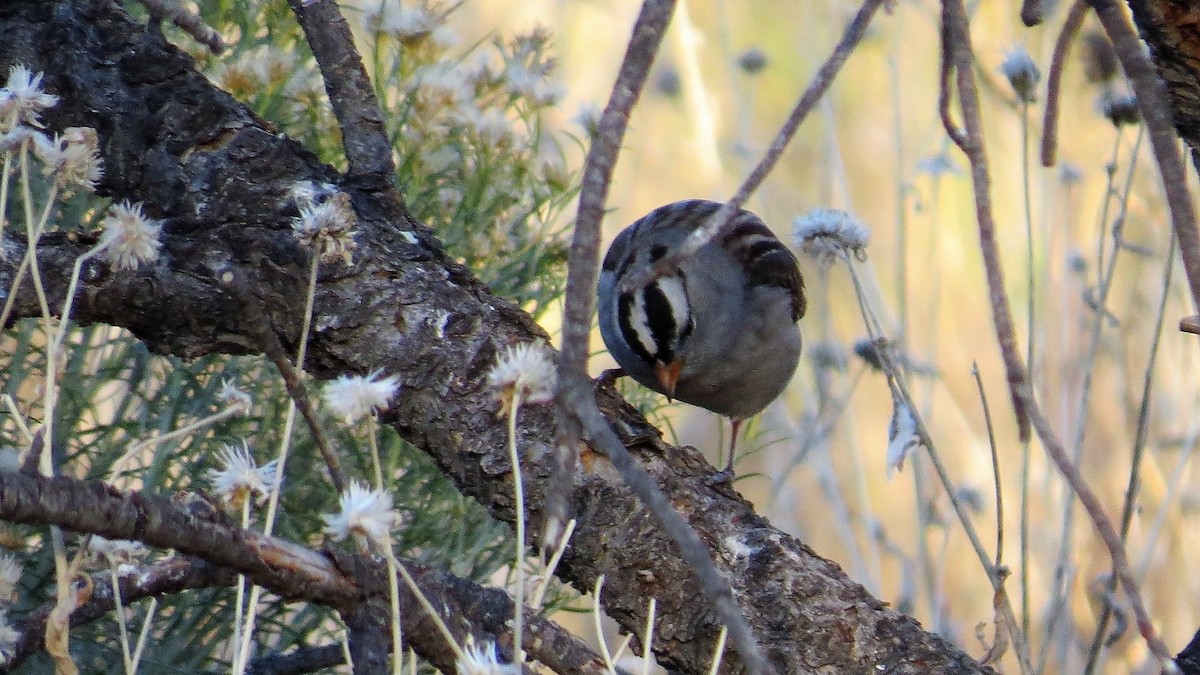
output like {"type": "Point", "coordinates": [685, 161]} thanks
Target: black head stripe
{"type": "Point", "coordinates": [661, 321]}
{"type": "Point", "coordinates": [625, 310]}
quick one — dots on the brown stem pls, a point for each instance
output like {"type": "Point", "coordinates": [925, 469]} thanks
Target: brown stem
{"type": "Point", "coordinates": [364, 137]}
{"type": "Point", "coordinates": [1062, 49]}
{"type": "Point", "coordinates": [1156, 114]}
{"type": "Point", "coordinates": [808, 100]}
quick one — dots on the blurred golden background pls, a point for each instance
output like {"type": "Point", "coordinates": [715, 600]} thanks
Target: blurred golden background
{"type": "Point", "coordinates": [875, 148]}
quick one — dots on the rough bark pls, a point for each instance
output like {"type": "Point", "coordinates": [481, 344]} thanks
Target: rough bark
{"type": "Point", "coordinates": [221, 179]}
{"type": "Point", "coordinates": [1171, 28]}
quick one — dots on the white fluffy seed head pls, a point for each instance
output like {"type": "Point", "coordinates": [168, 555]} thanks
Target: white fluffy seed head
{"type": "Point", "coordinates": [241, 478]}
{"type": "Point", "coordinates": [130, 238]}
{"type": "Point", "coordinates": [829, 234]}
{"type": "Point", "coordinates": [366, 514]}
{"type": "Point", "coordinates": [353, 397]}
{"type": "Point", "coordinates": [524, 373]}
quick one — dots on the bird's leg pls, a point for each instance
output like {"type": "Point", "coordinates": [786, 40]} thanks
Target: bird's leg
{"type": "Point", "coordinates": [736, 423]}
{"type": "Point", "coordinates": [726, 475]}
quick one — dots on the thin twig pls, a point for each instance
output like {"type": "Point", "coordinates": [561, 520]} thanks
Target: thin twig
{"type": "Point", "coordinates": [583, 265]}
{"type": "Point", "coordinates": [187, 21]}
{"type": "Point", "coordinates": [900, 392]}
{"type": "Point", "coordinates": [956, 41]}
{"type": "Point", "coordinates": [1058, 61]}
{"type": "Point", "coordinates": [258, 324]}
{"type": "Point", "coordinates": [816, 90]}
{"type": "Point", "coordinates": [1156, 114]}
{"type": "Point", "coordinates": [361, 121]}
{"type": "Point", "coordinates": [956, 28]}
{"type": "Point", "coordinates": [1135, 462]}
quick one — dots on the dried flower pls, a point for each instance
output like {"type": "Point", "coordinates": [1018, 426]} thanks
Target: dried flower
{"type": "Point", "coordinates": [365, 513]}
{"type": "Point", "coordinates": [130, 238]}
{"type": "Point", "coordinates": [902, 435]}
{"type": "Point", "coordinates": [327, 228]}
{"type": "Point", "coordinates": [117, 552]}
{"type": "Point", "coordinates": [14, 139]}
{"type": "Point", "coordinates": [1120, 109]}
{"type": "Point", "coordinates": [242, 478]}
{"type": "Point", "coordinates": [22, 98]}
{"type": "Point", "coordinates": [230, 395]}
{"type": "Point", "coordinates": [588, 117]}
{"type": "Point", "coordinates": [827, 355]}
{"type": "Point", "coordinates": [524, 373]}
{"type": "Point", "coordinates": [938, 165]}
{"type": "Point", "coordinates": [10, 576]}
{"type": "Point", "coordinates": [828, 234]}
{"type": "Point", "coordinates": [356, 396]}
{"type": "Point", "coordinates": [1100, 63]}
{"type": "Point", "coordinates": [73, 157]}
{"type": "Point", "coordinates": [481, 659]}
{"type": "Point", "coordinates": [491, 125]}
{"type": "Point", "coordinates": [410, 25]}
{"type": "Point", "coordinates": [9, 636]}
{"type": "Point", "coordinates": [1069, 174]}
{"type": "Point", "coordinates": [752, 61]}
{"type": "Point", "coordinates": [1022, 74]}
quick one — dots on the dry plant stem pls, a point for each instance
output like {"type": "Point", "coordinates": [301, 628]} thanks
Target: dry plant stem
{"type": "Point", "coordinates": [1139, 448]}
{"type": "Point", "coordinates": [1156, 114]}
{"type": "Point", "coordinates": [583, 264]}
{"type": "Point", "coordinates": [539, 592]}
{"type": "Point", "coordinates": [956, 29]}
{"type": "Point", "coordinates": [240, 598]}
{"type": "Point", "coordinates": [1106, 274]}
{"type": "Point", "coordinates": [182, 432]}
{"type": "Point", "coordinates": [519, 557]}
{"type": "Point", "coordinates": [285, 443]}
{"type": "Point", "coordinates": [188, 22]}
{"type": "Point", "coordinates": [597, 611]}
{"type": "Point", "coordinates": [394, 605]}
{"type": "Point", "coordinates": [987, 419]}
{"type": "Point", "coordinates": [140, 648]}
{"type": "Point", "coordinates": [812, 95]}
{"type": "Point", "coordinates": [119, 610]}
{"type": "Point", "coordinates": [648, 635]}
{"type": "Point", "coordinates": [430, 610]}
{"type": "Point", "coordinates": [259, 325]}
{"type": "Point", "coordinates": [1058, 61]}
{"type": "Point", "coordinates": [899, 387]}
{"type": "Point", "coordinates": [364, 137]}
{"type": "Point", "coordinates": [956, 42]}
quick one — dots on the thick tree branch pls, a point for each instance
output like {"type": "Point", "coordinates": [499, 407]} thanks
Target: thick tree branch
{"type": "Point", "coordinates": [222, 180]}
{"type": "Point", "coordinates": [221, 550]}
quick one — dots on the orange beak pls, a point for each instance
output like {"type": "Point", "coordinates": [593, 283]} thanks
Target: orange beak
{"type": "Point", "coordinates": [668, 376]}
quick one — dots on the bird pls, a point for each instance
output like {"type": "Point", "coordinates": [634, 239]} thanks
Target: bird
{"type": "Point", "coordinates": [720, 331]}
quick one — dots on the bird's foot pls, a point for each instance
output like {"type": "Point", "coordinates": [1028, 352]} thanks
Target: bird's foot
{"type": "Point", "coordinates": [609, 377]}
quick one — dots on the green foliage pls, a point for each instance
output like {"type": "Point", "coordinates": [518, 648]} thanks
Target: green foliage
{"type": "Point", "coordinates": [477, 165]}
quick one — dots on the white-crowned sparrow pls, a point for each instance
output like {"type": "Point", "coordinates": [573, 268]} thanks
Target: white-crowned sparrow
{"type": "Point", "coordinates": [721, 331]}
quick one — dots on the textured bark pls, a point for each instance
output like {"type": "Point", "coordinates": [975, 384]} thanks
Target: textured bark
{"type": "Point", "coordinates": [221, 179]}
{"type": "Point", "coordinates": [1171, 28]}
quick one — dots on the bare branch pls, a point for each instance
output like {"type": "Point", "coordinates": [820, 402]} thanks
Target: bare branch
{"type": "Point", "coordinates": [1058, 61]}
{"type": "Point", "coordinates": [1156, 114]}
{"type": "Point", "coordinates": [364, 137]}
{"type": "Point", "coordinates": [812, 95]}
{"type": "Point", "coordinates": [956, 45]}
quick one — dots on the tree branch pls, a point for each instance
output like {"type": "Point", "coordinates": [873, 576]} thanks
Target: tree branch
{"type": "Point", "coordinates": [222, 180]}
